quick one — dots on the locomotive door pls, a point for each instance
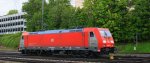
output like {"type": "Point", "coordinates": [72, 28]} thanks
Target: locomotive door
{"type": "Point", "coordinates": [92, 41]}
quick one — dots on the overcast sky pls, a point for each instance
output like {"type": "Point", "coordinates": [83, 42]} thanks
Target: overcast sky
{"type": "Point", "coordinates": [6, 5]}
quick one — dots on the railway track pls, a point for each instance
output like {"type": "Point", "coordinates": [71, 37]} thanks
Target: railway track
{"type": "Point", "coordinates": [16, 56]}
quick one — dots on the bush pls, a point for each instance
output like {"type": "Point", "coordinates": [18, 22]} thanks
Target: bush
{"type": "Point", "coordinates": [10, 40]}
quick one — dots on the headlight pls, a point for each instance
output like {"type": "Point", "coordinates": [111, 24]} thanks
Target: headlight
{"type": "Point", "coordinates": [112, 41]}
{"type": "Point", "coordinates": [104, 41]}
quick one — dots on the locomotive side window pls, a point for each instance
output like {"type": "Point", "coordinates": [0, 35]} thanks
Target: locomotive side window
{"type": "Point", "coordinates": [91, 34]}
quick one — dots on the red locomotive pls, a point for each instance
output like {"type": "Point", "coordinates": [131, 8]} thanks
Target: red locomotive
{"type": "Point", "coordinates": [85, 41]}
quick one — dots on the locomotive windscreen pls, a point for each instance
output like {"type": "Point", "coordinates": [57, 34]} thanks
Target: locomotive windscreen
{"type": "Point", "coordinates": [105, 33]}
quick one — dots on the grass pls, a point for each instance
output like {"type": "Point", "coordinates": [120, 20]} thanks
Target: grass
{"type": "Point", "coordinates": [10, 40]}
{"type": "Point", "coordinates": [142, 47]}
{"type": "Point", "coordinates": [7, 49]}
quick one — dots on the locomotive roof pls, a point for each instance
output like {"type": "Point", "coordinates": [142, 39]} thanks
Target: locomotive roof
{"type": "Point", "coordinates": [56, 31]}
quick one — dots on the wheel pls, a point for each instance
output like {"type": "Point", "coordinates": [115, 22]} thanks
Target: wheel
{"type": "Point", "coordinates": [23, 52]}
{"type": "Point", "coordinates": [39, 52]}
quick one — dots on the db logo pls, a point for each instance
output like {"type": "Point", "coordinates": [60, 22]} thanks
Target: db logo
{"type": "Point", "coordinates": [52, 40]}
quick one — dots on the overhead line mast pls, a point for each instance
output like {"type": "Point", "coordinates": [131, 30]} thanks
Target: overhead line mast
{"type": "Point", "coordinates": [42, 24]}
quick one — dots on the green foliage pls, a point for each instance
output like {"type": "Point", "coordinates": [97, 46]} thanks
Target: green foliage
{"type": "Point", "coordinates": [56, 14]}
{"type": "Point", "coordinates": [60, 13]}
{"type": "Point", "coordinates": [33, 8]}
{"type": "Point", "coordinates": [142, 18]}
{"type": "Point", "coordinates": [107, 14]}
{"type": "Point", "coordinates": [12, 12]}
{"type": "Point", "coordinates": [124, 22]}
{"type": "Point", "coordinates": [10, 40]}
{"type": "Point", "coordinates": [142, 47]}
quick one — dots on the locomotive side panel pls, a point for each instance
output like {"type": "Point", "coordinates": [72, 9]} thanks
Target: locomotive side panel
{"type": "Point", "coordinates": [25, 41]}
{"type": "Point", "coordinates": [51, 40]}
{"type": "Point", "coordinates": [86, 39]}
{"type": "Point", "coordinates": [72, 39]}
{"type": "Point", "coordinates": [34, 40]}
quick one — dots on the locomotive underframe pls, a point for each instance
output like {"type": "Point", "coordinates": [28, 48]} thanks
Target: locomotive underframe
{"type": "Point", "coordinates": [84, 52]}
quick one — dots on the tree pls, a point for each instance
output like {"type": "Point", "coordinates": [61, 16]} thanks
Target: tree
{"type": "Point", "coordinates": [56, 14]}
{"type": "Point", "coordinates": [117, 15]}
{"type": "Point", "coordinates": [60, 13]}
{"type": "Point", "coordinates": [120, 17]}
{"type": "Point", "coordinates": [34, 14]}
{"type": "Point", "coordinates": [107, 14]}
{"type": "Point", "coordinates": [141, 15]}
{"type": "Point", "coordinates": [12, 12]}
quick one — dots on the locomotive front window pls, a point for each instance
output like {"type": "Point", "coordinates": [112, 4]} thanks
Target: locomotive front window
{"type": "Point", "coordinates": [105, 33]}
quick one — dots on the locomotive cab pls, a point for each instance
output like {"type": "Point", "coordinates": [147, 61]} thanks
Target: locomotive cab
{"type": "Point", "coordinates": [107, 41]}
{"type": "Point", "coordinates": [22, 42]}
{"type": "Point", "coordinates": [99, 40]}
